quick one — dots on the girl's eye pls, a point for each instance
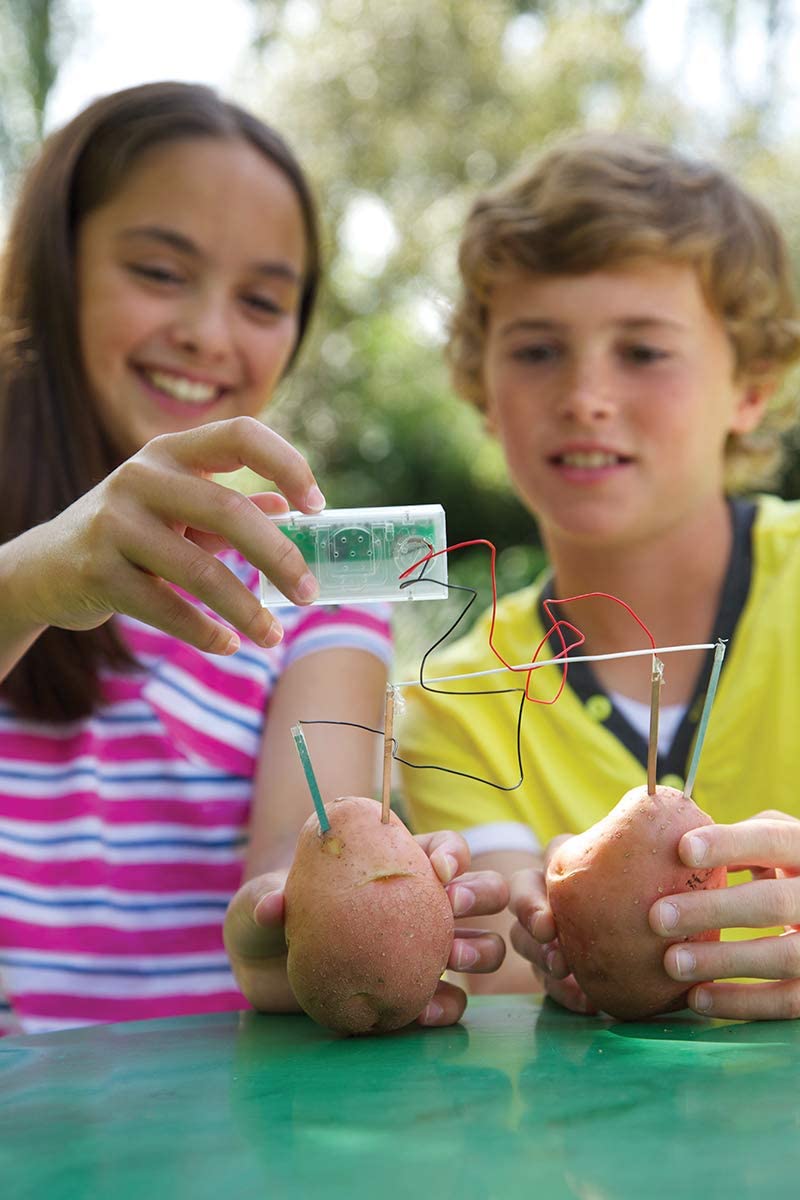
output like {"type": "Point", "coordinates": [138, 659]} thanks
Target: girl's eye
{"type": "Point", "coordinates": [156, 274]}
{"type": "Point", "coordinates": [263, 305]}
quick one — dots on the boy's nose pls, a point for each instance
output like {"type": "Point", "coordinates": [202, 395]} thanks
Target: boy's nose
{"type": "Point", "coordinates": [585, 395]}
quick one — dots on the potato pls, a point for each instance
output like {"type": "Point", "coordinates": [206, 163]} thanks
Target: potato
{"type": "Point", "coordinates": [601, 885]}
{"type": "Point", "coordinates": [368, 923]}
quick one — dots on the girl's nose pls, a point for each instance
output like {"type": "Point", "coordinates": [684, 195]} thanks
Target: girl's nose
{"type": "Point", "coordinates": [203, 329]}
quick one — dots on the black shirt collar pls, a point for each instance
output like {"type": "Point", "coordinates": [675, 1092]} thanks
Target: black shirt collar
{"type": "Point", "coordinates": [736, 587]}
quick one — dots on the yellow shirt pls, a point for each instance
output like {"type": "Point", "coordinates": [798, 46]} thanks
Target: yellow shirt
{"type": "Point", "coordinates": [575, 768]}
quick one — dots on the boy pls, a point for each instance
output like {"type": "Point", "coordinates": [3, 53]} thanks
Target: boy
{"type": "Point", "coordinates": [626, 315]}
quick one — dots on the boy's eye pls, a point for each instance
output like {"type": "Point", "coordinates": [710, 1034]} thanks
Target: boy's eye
{"type": "Point", "coordinates": [639, 353]}
{"type": "Point", "coordinates": [535, 352]}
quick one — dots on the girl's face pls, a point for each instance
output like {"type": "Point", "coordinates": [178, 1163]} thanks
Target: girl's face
{"type": "Point", "coordinates": [189, 280]}
{"type": "Point", "coordinates": [613, 394]}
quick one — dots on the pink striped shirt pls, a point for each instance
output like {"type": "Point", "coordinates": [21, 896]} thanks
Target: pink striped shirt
{"type": "Point", "coordinates": [122, 835]}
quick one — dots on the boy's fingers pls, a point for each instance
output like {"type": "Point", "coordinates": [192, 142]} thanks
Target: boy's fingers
{"type": "Point", "coordinates": [772, 841]}
{"type": "Point", "coordinates": [776, 957]}
{"type": "Point", "coordinates": [553, 845]}
{"type": "Point", "coordinates": [568, 994]}
{"type": "Point", "coordinates": [529, 905]}
{"type": "Point", "coordinates": [771, 1001]}
{"type": "Point", "coordinates": [756, 905]}
{"type": "Point", "coordinates": [550, 969]}
{"type": "Point", "coordinates": [547, 960]}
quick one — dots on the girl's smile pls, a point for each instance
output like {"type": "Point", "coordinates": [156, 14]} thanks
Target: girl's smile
{"type": "Point", "coordinates": [189, 280]}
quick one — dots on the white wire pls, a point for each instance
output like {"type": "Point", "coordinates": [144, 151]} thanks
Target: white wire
{"type": "Point", "coordinates": [558, 662]}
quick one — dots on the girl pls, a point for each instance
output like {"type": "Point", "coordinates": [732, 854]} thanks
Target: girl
{"type": "Point", "coordinates": [160, 275]}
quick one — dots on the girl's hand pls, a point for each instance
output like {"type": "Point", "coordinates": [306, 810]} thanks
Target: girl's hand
{"type": "Point", "coordinates": [769, 846]}
{"type": "Point", "coordinates": [472, 894]}
{"type": "Point", "coordinates": [256, 947]}
{"type": "Point", "coordinates": [535, 937]}
{"type": "Point", "coordinates": [159, 519]}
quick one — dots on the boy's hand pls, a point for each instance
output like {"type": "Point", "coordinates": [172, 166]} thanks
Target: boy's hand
{"type": "Point", "coordinates": [535, 937]}
{"type": "Point", "coordinates": [256, 946]}
{"type": "Point", "coordinates": [768, 845]}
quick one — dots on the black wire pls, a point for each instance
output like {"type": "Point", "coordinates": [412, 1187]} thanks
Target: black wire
{"type": "Point", "coordinates": [451, 587]}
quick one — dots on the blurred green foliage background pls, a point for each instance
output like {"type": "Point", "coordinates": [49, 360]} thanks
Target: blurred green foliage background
{"type": "Point", "coordinates": [401, 111]}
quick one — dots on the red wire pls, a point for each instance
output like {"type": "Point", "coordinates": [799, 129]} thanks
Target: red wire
{"type": "Point", "coordinates": [557, 625]}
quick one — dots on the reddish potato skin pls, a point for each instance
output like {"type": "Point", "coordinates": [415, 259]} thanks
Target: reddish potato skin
{"type": "Point", "coordinates": [369, 925]}
{"type": "Point", "coordinates": [601, 885]}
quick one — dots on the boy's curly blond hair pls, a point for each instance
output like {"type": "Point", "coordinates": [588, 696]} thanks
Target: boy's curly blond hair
{"type": "Point", "coordinates": [601, 201]}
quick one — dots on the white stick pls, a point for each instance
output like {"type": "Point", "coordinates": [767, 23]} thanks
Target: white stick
{"type": "Point", "coordinates": [557, 662]}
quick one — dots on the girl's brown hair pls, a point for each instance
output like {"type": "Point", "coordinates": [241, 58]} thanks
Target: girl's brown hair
{"type": "Point", "coordinates": [52, 446]}
{"type": "Point", "coordinates": [604, 200]}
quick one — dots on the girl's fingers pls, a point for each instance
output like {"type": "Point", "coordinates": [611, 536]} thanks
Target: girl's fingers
{"type": "Point", "coordinates": [477, 951]}
{"type": "Point", "coordinates": [446, 1007]}
{"type": "Point", "coordinates": [478, 893]}
{"type": "Point", "coordinates": [771, 1001]}
{"type": "Point", "coordinates": [253, 926]}
{"type": "Point", "coordinates": [225, 446]}
{"type": "Point", "coordinates": [272, 504]}
{"type": "Point", "coordinates": [448, 852]}
{"type": "Point", "coordinates": [153, 602]}
{"type": "Point", "coordinates": [202, 504]}
{"type": "Point", "coordinates": [169, 556]}
{"type": "Point", "coordinates": [256, 945]}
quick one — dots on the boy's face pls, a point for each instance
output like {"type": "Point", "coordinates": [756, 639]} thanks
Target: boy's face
{"type": "Point", "coordinates": [613, 394]}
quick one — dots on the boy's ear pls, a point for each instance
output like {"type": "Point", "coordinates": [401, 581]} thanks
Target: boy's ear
{"type": "Point", "coordinates": [752, 405]}
{"type": "Point", "coordinates": [487, 408]}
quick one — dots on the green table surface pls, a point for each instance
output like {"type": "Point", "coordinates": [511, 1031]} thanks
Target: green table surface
{"type": "Point", "coordinates": [520, 1100]}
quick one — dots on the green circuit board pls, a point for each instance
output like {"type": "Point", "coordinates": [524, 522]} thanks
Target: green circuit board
{"type": "Point", "coordinates": [360, 554]}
